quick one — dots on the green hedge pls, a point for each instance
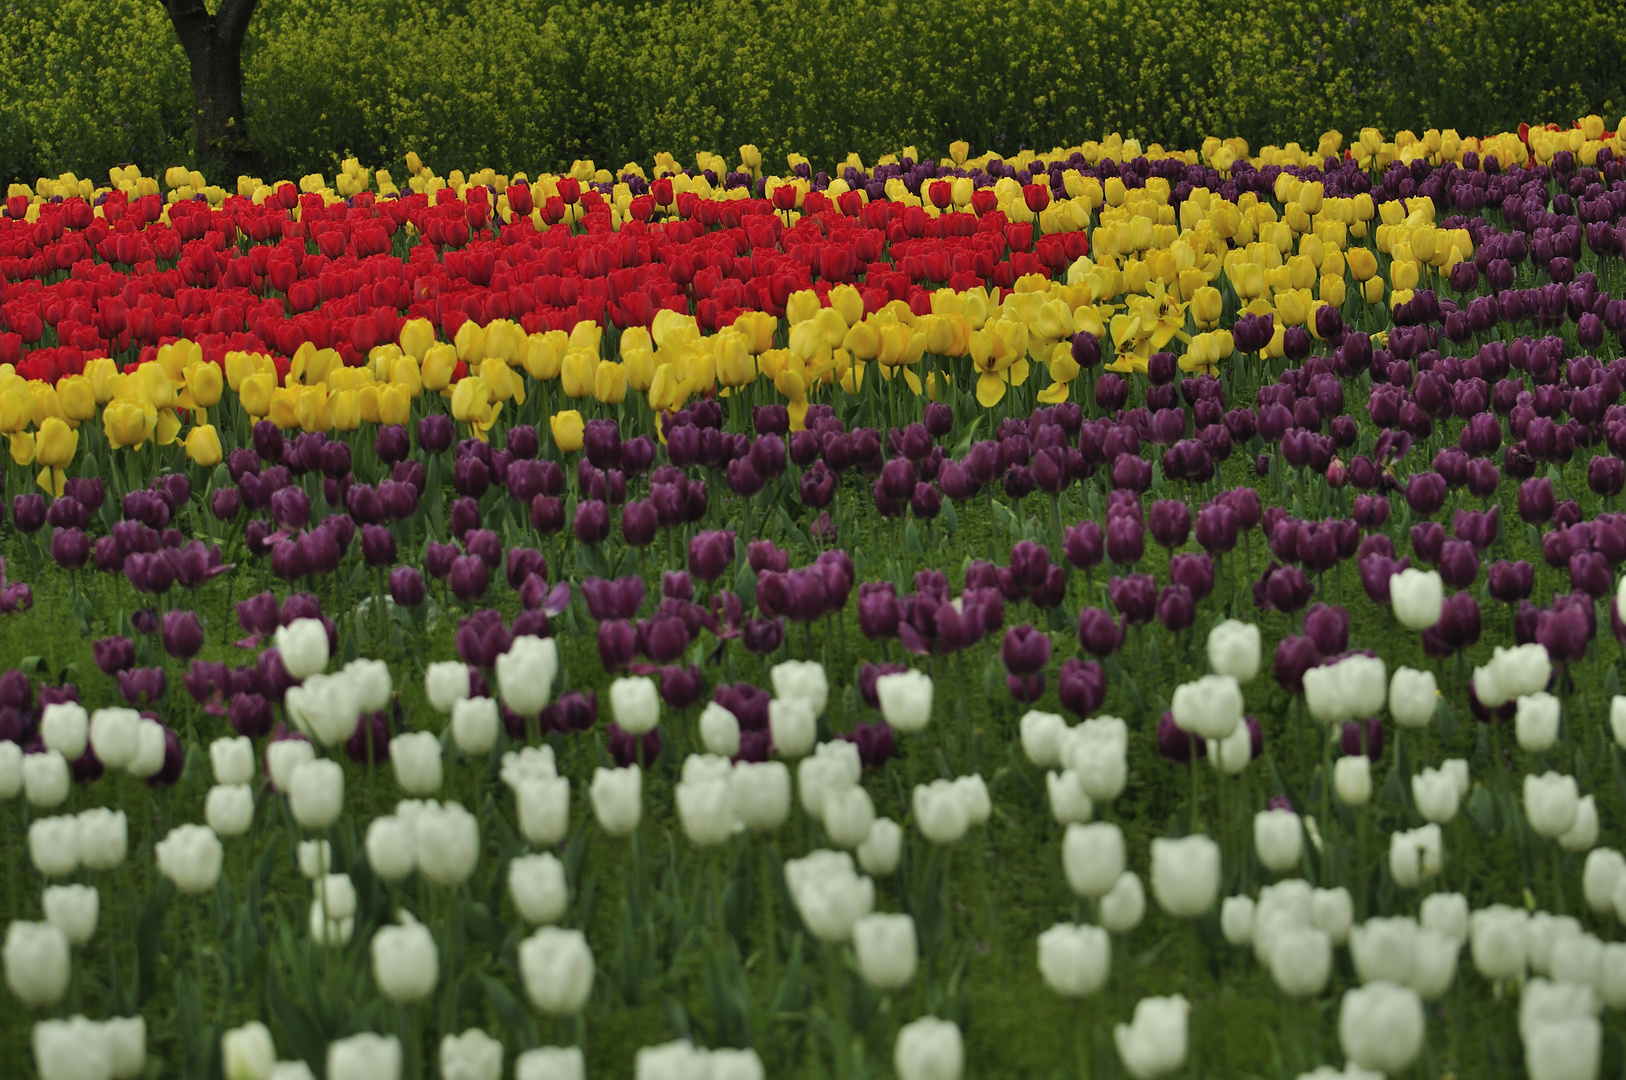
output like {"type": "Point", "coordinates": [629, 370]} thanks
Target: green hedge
{"type": "Point", "coordinates": [531, 84]}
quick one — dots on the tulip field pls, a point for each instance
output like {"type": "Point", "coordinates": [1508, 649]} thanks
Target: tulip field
{"type": "Point", "coordinates": [1122, 611]}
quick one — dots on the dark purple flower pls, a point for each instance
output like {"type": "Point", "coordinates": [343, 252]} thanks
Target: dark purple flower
{"type": "Point", "coordinates": [1327, 625]}
{"type": "Point", "coordinates": [1362, 738]}
{"type": "Point", "coordinates": [1099, 633]}
{"type": "Point", "coordinates": [1176, 744]}
{"type": "Point", "coordinates": [617, 643]}
{"type": "Point", "coordinates": [1175, 608]}
{"type": "Point", "coordinates": [1510, 582]}
{"type": "Point", "coordinates": [143, 686]}
{"type": "Point", "coordinates": [1025, 651]}
{"type": "Point", "coordinates": [407, 586]}
{"type": "Point", "coordinates": [468, 579]}
{"type": "Point", "coordinates": [1083, 687]}
{"type": "Point", "coordinates": [710, 553]}
{"type": "Point", "coordinates": [182, 634]}
{"type": "Point", "coordinates": [1134, 596]}
{"type": "Point", "coordinates": [1294, 656]}
{"type": "Point", "coordinates": [625, 748]}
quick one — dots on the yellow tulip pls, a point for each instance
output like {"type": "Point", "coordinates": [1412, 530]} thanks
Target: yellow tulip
{"type": "Point", "coordinates": [832, 326]}
{"type": "Point", "coordinates": [343, 411]}
{"type": "Point", "coordinates": [847, 300]}
{"type": "Point", "coordinates": [802, 306]}
{"type": "Point", "coordinates": [470, 343]}
{"type": "Point", "coordinates": [438, 364]}
{"type": "Point", "coordinates": [310, 408]}
{"type": "Point", "coordinates": [576, 373]}
{"type": "Point", "coordinates": [22, 447]}
{"type": "Point", "coordinates": [1372, 290]}
{"type": "Point", "coordinates": [494, 372]}
{"type": "Point", "coordinates": [735, 365]}
{"type": "Point", "coordinates": [239, 366]}
{"type": "Point", "coordinates": [567, 428]}
{"type": "Point", "coordinates": [126, 423]}
{"type": "Point", "coordinates": [177, 356]}
{"type": "Point", "coordinates": [56, 443]}
{"type": "Point", "coordinates": [470, 398]}
{"type": "Point", "coordinates": [167, 428]}
{"type": "Point", "coordinates": [53, 481]}
{"type": "Point", "coordinates": [405, 375]}
{"type": "Point", "coordinates": [1403, 275]}
{"type": "Point", "coordinates": [255, 394]}
{"type": "Point", "coordinates": [394, 406]}
{"type": "Point", "coordinates": [283, 408]}
{"type": "Point", "coordinates": [587, 335]}
{"type": "Point", "coordinates": [1362, 263]}
{"type": "Point", "coordinates": [368, 398]}
{"type": "Point", "coordinates": [417, 336]}
{"type": "Point", "coordinates": [1332, 290]}
{"type": "Point", "coordinates": [156, 385]}
{"type": "Point", "coordinates": [610, 382]}
{"type": "Point", "coordinates": [1206, 306]}
{"type": "Point", "coordinates": [103, 374]}
{"type": "Point", "coordinates": [504, 339]}
{"type": "Point", "coordinates": [204, 382]}
{"type": "Point", "coordinates": [77, 397]}
{"type": "Point", "coordinates": [543, 354]}
{"type": "Point", "coordinates": [203, 445]}
{"type": "Point", "coordinates": [1291, 307]}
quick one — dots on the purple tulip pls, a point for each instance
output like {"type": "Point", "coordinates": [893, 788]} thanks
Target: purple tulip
{"type": "Point", "coordinates": [1283, 588]}
{"type": "Point", "coordinates": [1134, 596]}
{"type": "Point", "coordinates": [1327, 625]}
{"type": "Point", "coordinates": [1363, 737]}
{"type": "Point", "coordinates": [1084, 545]}
{"type": "Point", "coordinates": [710, 554]}
{"type": "Point", "coordinates": [407, 586]}
{"type": "Point", "coordinates": [1175, 608]}
{"type": "Point", "coordinates": [1294, 656]}
{"type": "Point", "coordinates": [1457, 629]}
{"type": "Point", "coordinates": [1195, 571]}
{"type": "Point", "coordinates": [1099, 633]}
{"type": "Point", "coordinates": [1125, 540]}
{"type": "Point", "coordinates": [469, 579]}
{"type": "Point", "coordinates": [1537, 502]}
{"type": "Point", "coordinates": [1176, 744]}
{"type": "Point", "coordinates": [143, 686]}
{"type": "Point", "coordinates": [182, 634]}
{"type": "Point", "coordinates": [1510, 582]}
{"type": "Point", "coordinates": [1083, 687]}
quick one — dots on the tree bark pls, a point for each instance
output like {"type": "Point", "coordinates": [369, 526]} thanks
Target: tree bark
{"type": "Point", "coordinates": [214, 50]}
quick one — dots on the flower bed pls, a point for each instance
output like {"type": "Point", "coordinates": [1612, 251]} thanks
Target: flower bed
{"type": "Point", "coordinates": [640, 621]}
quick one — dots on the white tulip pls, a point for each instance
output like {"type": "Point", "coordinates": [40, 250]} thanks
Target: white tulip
{"type": "Point", "coordinates": [283, 757]}
{"type": "Point", "coordinates": [1496, 934]}
{"type": "Point", "coordinates": [1154, 1042]}
{"type": "Point", "coordinates": [1413, 697]}
{"type": "Point", "coordinates": [719, 730]}
{"type": "Point", "coordinates": [1583, 832]}
{"type": "Point", "coordinates": [544, 809]}
{"type": "Point", "coordinates": [1380, 1026]}
{"type": "Point", "coordinates": [103, 838]}
{"type": "Point", "coordinates": [802, 680]}
{"type": "Point", "coordinates": [886, 949]}
{"type": "Point", "coordinates": [881, 849]}
{"type": "Point", "coordinates": [1122, 909]}
{"type": "Point", "coordinates": [1446, 913]}
{"type": "Point", "coordinates": [1383, 949]}
{"type": "Point", "coordinates": [1278, 839]}
{"type": "Point", "coordinates": [152, 747]}
{"type": "Point", "coordinates": [247, 1052]}
{"type": "Point", "coordinates": [1210, 707]}
{"type": "Point", "coordinates": [302, 644]}
{"type": "Point", "coordinates": [906, 700]}
{"type": "Point", "coordinates": [415, 759]}
{"type": "Point", "coordinates": [316, 795]}
{"type": "Point", "coordinates": [364, 1057]}
{"type": "Point", "coordinates": [526, 673]}
{"type": "Point", "coordinates": [553, 1063]}
{"type": "Point", "coordinates": [1185, 875]}
{"type": "Point", "coordinates": [537, 884]}
{"type": "Point", "coordinates": [448, 843]}
{"type": "Point", "coordinates": [406, 964]}
{"type": "Point", "coordinates": [1075, 960]}
{"type": "Point", "coordinates": [1069, 803]}
{"type": "Point", "coordinates": [1233, 649]}
{"type": "Point", "coordinates": [45, 779]}
{"type": "Point", "coordinates": [371, 682]}
{"type": "Point", "coordinates": [1093, 858]}
{"type": "Point", "coordinates": [445, 683]}
{"type": "Point", "coordinates": [473, 1055]}
{"type": "Point", "coordinates": [556, 967]}
{"type": "Point", "coordinates": [1301, 962]}
{"type": "Point", "coordinates": [190, 856]}
{"type": "Point", "coordinates": [65, 728]}
{"type": "Point", "coordinates": [229, 809]}
{"type": "Point", "coordinates": [1236, 920]}
{"type": "Point", "coordinates": [829, 894]}
{"type": "Point", "coordinates": [73, 909]}
{"type": "Point", "coordinates": [940, 812]}
{"type": "Point", "coordinates": [1436, 795]}
{"type": "Point", "coordinates": [929, 1049]}
{"type": "Point", "coordinates": [848, 816]}
{"type": "Point", "coordinates": [1604, 868]}
{"type": "Point", "coordinates": [1551, 802]}
{"type": "Point", "coordinates": [231, 759]}
{"type": "Point", "coordinates": [792, 723]}
{"type": "Point", "coordinates": [475, 724]}
{"type": "Point", "coordinates": [761, 794]}
{"type": "Point", "coordinates": [53, 845]}
{"type": "Point", "coordinates": [36, 960]}
{"type": "Point", "coordinates": [1418, 597]}
{"type": "Point", "coordinates": [1333, 911]}
{"type": "Point", "coordinates": [1041, 737]}
{"type": "Point", "coordinates": [1535, 722]}
{"type": "Point", "coordinates": [1414, 856]}
{"type": "Point", "coordinates": [392, 847]}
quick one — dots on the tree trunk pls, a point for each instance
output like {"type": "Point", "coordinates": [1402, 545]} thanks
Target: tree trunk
{"type": "Point", "coordinates": [214, 50]}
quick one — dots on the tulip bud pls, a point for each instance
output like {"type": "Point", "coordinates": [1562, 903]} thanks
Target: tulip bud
{"type": "Point", "coordinates": [886, 948]}
{"type": "Point", "coordinates": [406, 964]}
{"type": "Point", "coordinates": [617, 799]}
{"type": "Point", "coordinates": [36, 960]}
{"type": "Point", "coordinates": [316, 794]}
{"type": "Point", "coordinates": [229, 809]}
{"type": "Point", "coordinates": [415, 757]}
{"type": "Point", "coordinates": [557, 969]}
{"type": "Point", "coordinates": [1154, 1042]}
{"type": "Point", "coordinates": [929, 1049]}
{"type": "Point", "coordinates": [247, 1052]}
{"type": "Point", "coordinates": [1185, 875]}
{"type": "Point", "coordinates": [190, 856]}
{"type": "Point", "coordinates": [392, 847]}
{"type": "Point", "coordinates": [1093, 858]}
{"type": "Point", "coordinates": [363, 1057]}
{"type": "Point", "coordinates": [537, 885]}
{"type": "Point", "coordinates": [1075, 960]}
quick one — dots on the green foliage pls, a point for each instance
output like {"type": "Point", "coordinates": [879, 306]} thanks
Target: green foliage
{"type": "Point", "coordinates": [533, 84]}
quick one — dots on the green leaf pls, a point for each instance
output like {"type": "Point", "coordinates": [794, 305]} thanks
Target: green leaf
{"type": "Point", "coordinates": [514, 1016]}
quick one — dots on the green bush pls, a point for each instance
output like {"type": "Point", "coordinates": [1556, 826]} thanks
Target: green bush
{"type": "Point", "coordinates": [534, 84]}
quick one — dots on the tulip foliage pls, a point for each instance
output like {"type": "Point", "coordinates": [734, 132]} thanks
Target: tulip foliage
{"type": "Point", "coordinates": [712, 623]}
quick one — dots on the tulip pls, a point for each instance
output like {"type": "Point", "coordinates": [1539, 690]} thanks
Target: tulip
{"type": "Point", "coordinates": [557, 1063]}
{"type": "Point", "coordinates": [36, 961]}
{"type": "Point", "coordinates": [886, 949]}
{"type": "Point", "coordinates": [1380, 1026]}
{"type": "Point", "coordinates": [1278, 839]}
{"type": "Point", "coordinates": [525, 673]}
{"type": "Point", "coordinates": [1414, 856]}
{"type": "Point", "coordinates": [102, 838]}
{"type": "Point", "coordinates": [1185, 875]}
{"type": "Point", "coordinates": [617, 799]}
{"type": "Point", "coordinates": [761, 794]}
{"type": "Point", "coordinates": [65, 729]}
{"type": "Point", "coordinates": [415, 757]}
{"type": "Point", "coordinates": [537, 885]}
{"type": "Point", "coordinates": [1436, 796]}
{"type": "Point", "coordinates": [406, 964]}
{"type": "Point", "coordinates": [556, 967]}
{"type": "Point", "coordinates": [1301, 961]}
{"type": "Point", "coordinates": [316, 794]}
{"type": "Point", "coordinates": [190, 856]}
{"type": "Point", "coordinates": [1210, 707]}
{"type": "Point", "coordinates": [1075, 960]}
{"type": "Point", "coordinates": [879, 853]}
{"type": "Point", "coordinates": [1093, 858]}
{"type": "Point", "coordinates": [363, 1057]}
{"type": "Point", "coordinates": [635, 702]}
{"type": "Point", "coordinates": [473, 1055]}
{"type": "Point", "coordinates": [1551, 802]}
{"type": "Point", "coordinates": [247, 1052]}
{"type": "Point", "coordinates": [1417, 596]}
{"type": "Point", "coordinates": [1154, 1043]}
{"type": "Point", "coordinates": [303, 647]}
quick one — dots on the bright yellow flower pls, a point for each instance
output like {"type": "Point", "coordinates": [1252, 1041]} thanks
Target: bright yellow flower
{"type": "Point", "coordinates": [78, 398]}
{"type": "Point", "coordinates": [417, 335]}
{"type": "Point", "coordinates": [470, 398]}
{"type": "Point", "coordinates": [156, 386]}
{"type": "Point", "coordinates": [168, 427]}
{"type": "Point", "coordinates": [394, 406]}
{"type": "Point", "coordinates": [735, 365]}
{"type": "Point", "coordinates": [103, 374]}
{"type": "Point", "coordinates": [255, 394]}
{"type": "Point", "coordinates": [610, 382]}
{"type": "Point", "coordinates": [470, 343]}
{"type": "Point", "coordinates": [204, 383]}
{"type": "Point", "coordinates": [203, 445]}
{"type": "Point", "coordinates": [576, 373]}
{"type": "Point", "coordinates": [56, 443]}
{"type": "Point", "coordinates": [438, 364]}
{"type": "Point", "coordinates": [567, 430]}
{"type": "Point", "coordinates": [22, 447]}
